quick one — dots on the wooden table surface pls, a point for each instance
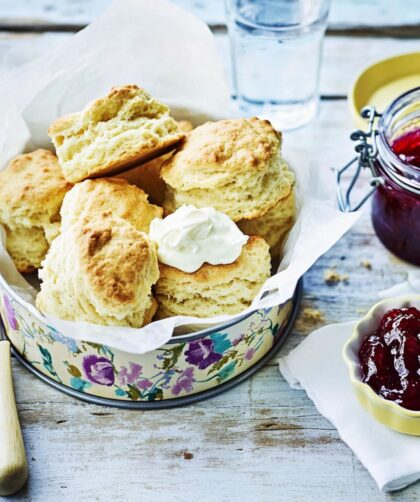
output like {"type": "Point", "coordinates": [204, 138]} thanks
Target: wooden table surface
{"type": "Point", "coordinates": [260, 441]}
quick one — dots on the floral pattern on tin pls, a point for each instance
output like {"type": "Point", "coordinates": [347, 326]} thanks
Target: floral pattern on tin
{"type": "Point", "coordinates": [99, 370]}
{"type": "Point", "coordinates": [201, 353]}
{"type": "Point", "coordinates": [174, 370]}
{"type": "Point", "coordinates": [10, 313]}
{"type": "Point", "coordinates": [184, 382]}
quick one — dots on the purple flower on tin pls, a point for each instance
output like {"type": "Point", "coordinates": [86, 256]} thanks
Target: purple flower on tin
{"type": "Point", "coordinates": [249, 354]}
{"type": "Point", "coordinates": [238, 340]}
{"type": "Point", "coordinates": [184, 382]}
{"type": "Point", "coordinates": [144, 384]}
{"type": "Point", "coordinates": [99, 370]}
{"type": "Point", "coordinates": [10, 314]}
{"type": "Point", "coordinates": [130, 375]}
{"type": "Point", "coordinates": [201, 354]}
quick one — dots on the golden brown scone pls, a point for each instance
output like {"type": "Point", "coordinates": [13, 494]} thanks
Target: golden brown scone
{"type": "Point", "coordinates": [274, 225]}
{"type": "Point", "coordinates": [100, 270]}
{"type": "Point", "coordinates": [150, 313]}
{"type": "Point", "coordinates": [32, 188]}
{"type": "Point", "coordinates": [214, 289]}
{"type": "Point", "coordinates": [27, 247]}
{"type": "Point", "coordinates": [112, 133]}
{"type": "Point", "coordinates": [147, 175]}
{"type": "Point", "coordinates": [91, 197]}
{"type": "Point", "coordinates": [231, 165]}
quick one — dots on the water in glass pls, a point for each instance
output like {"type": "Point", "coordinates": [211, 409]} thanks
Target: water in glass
{"type": "Point", "coordinates": [276, 49]}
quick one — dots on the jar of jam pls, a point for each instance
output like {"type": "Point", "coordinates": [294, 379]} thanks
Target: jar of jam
{"type": "Point", "coordinates": [390, 148]}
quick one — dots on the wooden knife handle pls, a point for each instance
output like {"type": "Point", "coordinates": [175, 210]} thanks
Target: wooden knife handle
{"type": "Point", "coordinates": [13, 464]}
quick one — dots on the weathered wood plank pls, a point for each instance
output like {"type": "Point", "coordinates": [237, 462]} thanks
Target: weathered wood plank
{"type": "Point", "coordinates": [344, 14]}
{"type": "Point", "coordinates": [382, 16]}
{"type": "Point", "coordinates": [342, 59]}
{"type": "Point", "coordinates": [260, 441]}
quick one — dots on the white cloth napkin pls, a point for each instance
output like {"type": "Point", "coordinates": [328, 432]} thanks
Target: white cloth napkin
{"type": "Point", "coordinates": [393, 459]}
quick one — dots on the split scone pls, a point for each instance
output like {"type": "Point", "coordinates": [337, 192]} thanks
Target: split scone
{"type": "Point", "coordinates": [147, 176]}
{"type": "Point", "coordinates": [231, 165]}
{"type": "Point", "coordinates": [214, 289]}
{"type": "Point", "coordinates": [32, 188]}
{"type": "Point", "coordinates": [100, 270]}
{"type": "Point", "coordinates": [117, 196]}
{"type": "Point", "coordinates": [110, 134]}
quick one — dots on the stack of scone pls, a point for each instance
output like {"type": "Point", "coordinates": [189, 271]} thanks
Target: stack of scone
{"type": "Point", "coordinates": [32, 188]}
{"type": "Point", "coordinates": [102, 266]}
{"type": "Point", "coordinates": [104, 254]}
{"type": "Point", "coordinates": [213, 290]}
{"type": "Point", "coordinates": [236, 167]}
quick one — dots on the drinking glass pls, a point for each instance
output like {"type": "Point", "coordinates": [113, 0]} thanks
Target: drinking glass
{"type": "Point", "coordinates": [276, 48]}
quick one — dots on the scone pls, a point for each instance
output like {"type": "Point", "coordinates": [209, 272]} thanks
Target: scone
{"type": "Point", "coordinates": [274, 224]}
{"type": "Point", "coordinates": [32, 188]}
{"type": "Point", "coordinates": [214, 289]}
{"type": "Point", "coordinates": [100, 270]}
{"type": "Point", "coordinates": [231, 165]}
{"type": "Point", "coordinates": [110, 134]}
{"type": "Point", "coordinates": [117, 196]}
{"type": "Point", "coordinates": [27, 247]}
{"type": "Point", "coordinates": [147, 176]}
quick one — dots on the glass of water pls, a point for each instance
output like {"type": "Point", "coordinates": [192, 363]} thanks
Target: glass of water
{"type": "Point", "coordinates": [276, 48]}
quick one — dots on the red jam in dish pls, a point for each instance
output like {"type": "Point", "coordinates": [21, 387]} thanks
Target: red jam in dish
{"type": "Point", "coordinates": [396, 211]}
{"type": "Point", "coordinates": [390, 358]}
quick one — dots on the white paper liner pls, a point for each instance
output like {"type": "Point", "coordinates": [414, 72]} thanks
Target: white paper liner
{"type": "Point", "coordinates": [171, 54]}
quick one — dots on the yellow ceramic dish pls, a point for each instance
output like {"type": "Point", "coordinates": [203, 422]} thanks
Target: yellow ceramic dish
{"type": "Point", "coordinates": [387, 412]}
{"type": "Point", "coordinates": [382, 82]}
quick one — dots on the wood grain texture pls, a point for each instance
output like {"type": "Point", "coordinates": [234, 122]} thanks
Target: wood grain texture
{"type": "Point", "coordinates": [341, 57]}
{"type": "Point", "coordinates": [379, 17]}
{"type": "Point", "coordinates": [260, 441]}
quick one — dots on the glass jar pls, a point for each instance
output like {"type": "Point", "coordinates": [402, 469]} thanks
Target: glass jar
{"type": "Point", "coordinates": [391, 150]}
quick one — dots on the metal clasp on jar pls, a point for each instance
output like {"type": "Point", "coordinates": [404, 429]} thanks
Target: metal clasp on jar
{"type": "Point", "coordinates": [367, 151]}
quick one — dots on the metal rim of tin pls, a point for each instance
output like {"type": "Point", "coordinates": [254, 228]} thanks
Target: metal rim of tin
{"type": "Point", "coordinates": [281, 336]}
{"type": "Point", "coordinates": [185, 337]}
{"type": "Point", "coordinates": [367, 149]}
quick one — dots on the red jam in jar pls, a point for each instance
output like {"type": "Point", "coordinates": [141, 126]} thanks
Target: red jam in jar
{"type": "Point", "coordinates": [396, 202]}
{"type": "Point", "coordinates": [390, 358]}
{"type": "Point", "coordinates": [407, 147]}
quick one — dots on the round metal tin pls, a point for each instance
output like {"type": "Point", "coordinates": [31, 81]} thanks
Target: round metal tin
{"type": "Point", "coordinates": [187, 369]}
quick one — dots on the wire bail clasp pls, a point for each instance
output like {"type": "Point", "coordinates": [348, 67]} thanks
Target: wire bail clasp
{"type": "Point", "coordinates": [367, 151]}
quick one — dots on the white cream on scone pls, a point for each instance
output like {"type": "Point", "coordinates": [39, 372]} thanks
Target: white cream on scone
{"type": "Point", "coordinates": [190, 237]}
